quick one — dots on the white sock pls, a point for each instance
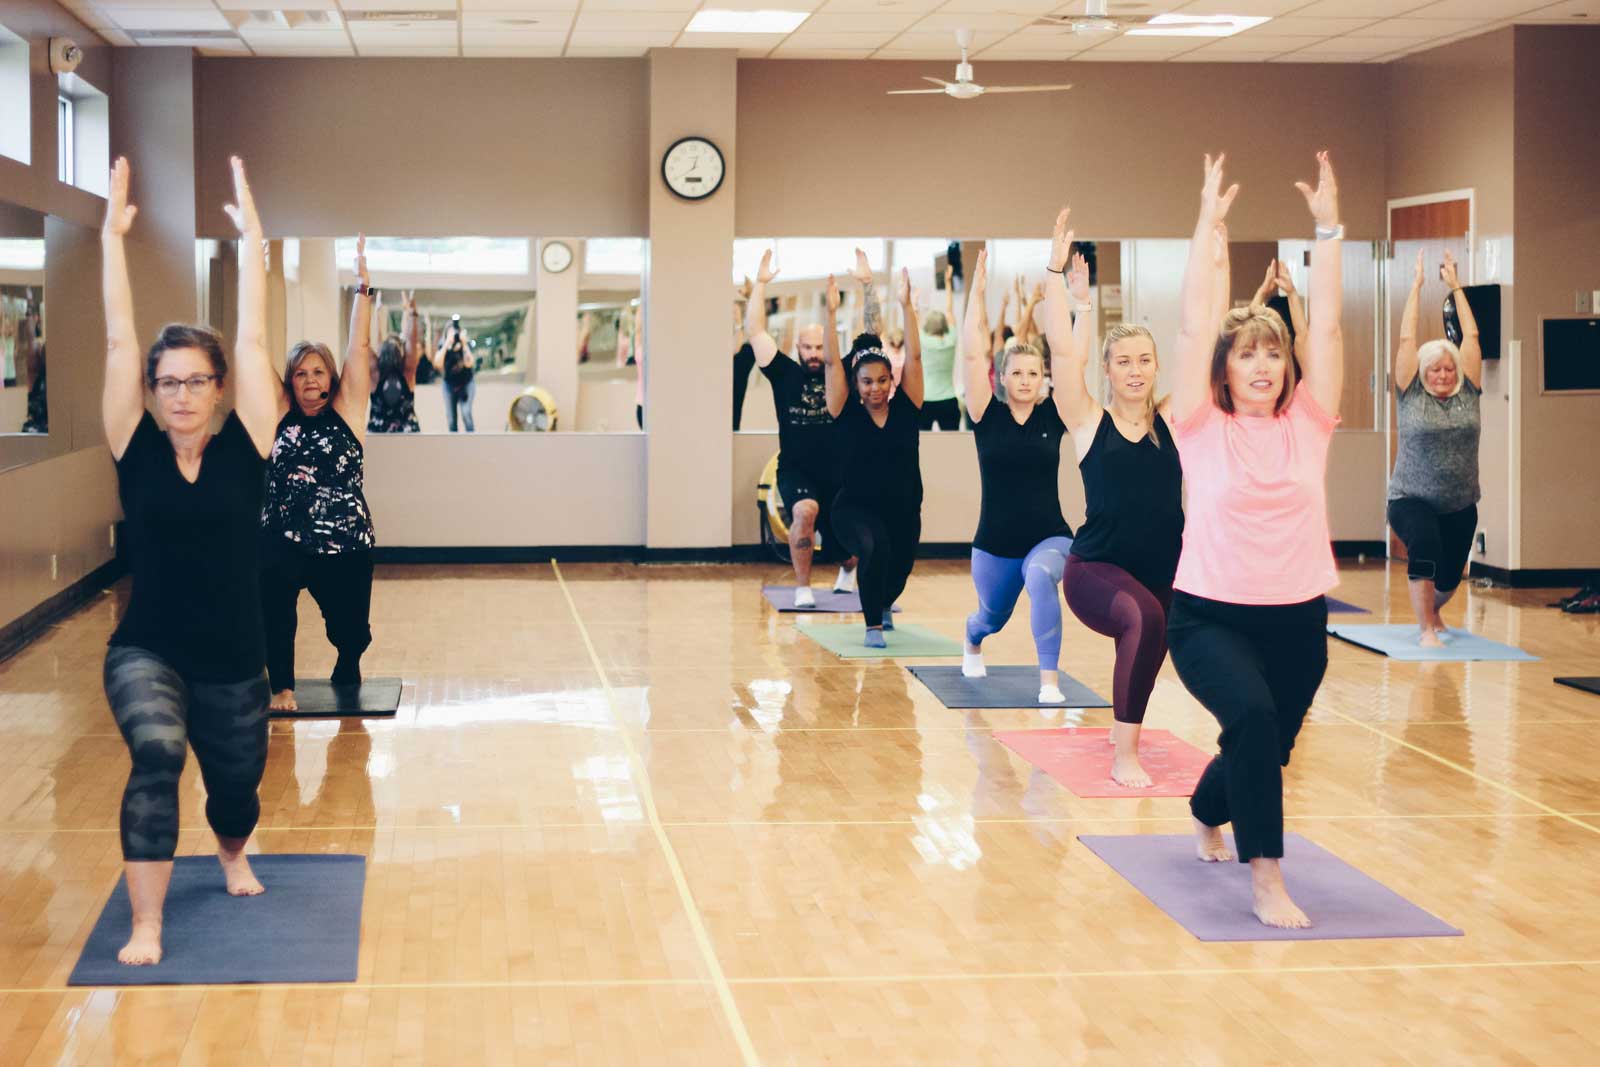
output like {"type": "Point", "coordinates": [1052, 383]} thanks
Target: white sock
{"type": "Point", "coordinates": [972, 665]}
{"type": "Point", "coordinates": [1050, 694]}
{"type": "Point", "coordinates": [846, 582]}
{"type": "Point", "coordinates": [804, 597]}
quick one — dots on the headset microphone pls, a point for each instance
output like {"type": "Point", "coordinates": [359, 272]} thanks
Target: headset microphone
{"type": "Point", "coordinates": [323, 394]}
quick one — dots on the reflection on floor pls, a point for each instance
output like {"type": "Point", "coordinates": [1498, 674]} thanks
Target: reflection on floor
{"type": "Point", "coordinates": [629, 815]}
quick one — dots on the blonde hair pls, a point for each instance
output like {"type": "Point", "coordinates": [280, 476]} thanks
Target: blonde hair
{"type": "Point", "coordinates": [1012, 349]}
{"type": "Point", "coordinates": [1250, 326]}
{"type": "Point", "coordinates": [1123, 331]}
{"type": "Point", "coordinates": [1433, 352]}
{"type": "Point", "coordinates": [936, 324]}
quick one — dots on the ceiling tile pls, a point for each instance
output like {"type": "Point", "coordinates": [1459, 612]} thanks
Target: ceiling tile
{"type": "Point", "coordinates": [295, 38]}
{"type": "Point", "coordinates": [1298, 27]}
{"type": "Point", "coordinates": [1202, 55]}
{"type": "Point", "coordinates": [397, 49]}
{"type": "Point", "coordinates": [1323, 57]}
{"type": "Point", "coordinates": [107, 6]}
{"type": "Point", "coordinates": [396, 5]}
{"type": "Point", "coordinates": [1358, 9]}
{"type": "Point", "coordinates": [618, 51]}
{"type": "Point", "coordinates": [952, 21]}
{"type": "Point", "coordinates": [1255, 8]}
{"type": "Point", "coordinates": [1277, 45]}
{"type": "Point", "coordinates": [785, 52]}
{"type": "Point", "coordinates": [1401, 30]}
{"type": "Point", "coordinates": [632, 21]}
{"type": "Point", "coordinates": [622, 39]}
{"type": "Point", "coordinates": [389, 36]}
{"type": "Point", "coordinates": [1585, 12]}
{"type": "Point", "coordinates": [829, 21]}
{"type": "Point", "coordinates": [269, 5]}
{"type": "Point", "coordinates": [518, 21]}
{"type": "Point", "coordinates": [846, 41]}
{"type": "Point", "coordinates": [223, 48]}
{"type": "Point", "coordinates": [761, 42]}
{"type": "Point", "coordinates": [943, 42]}
{"type": "Point", "coordinates": [537, 6]}
{"type": "Point", "coordinates": [1029, 8]}
{"type": "Point", "coordinates": [511, 51]}
{"type": "Point", "coordinates": [116, 37]}
{"type": "Point", "coordinates": [909, 7]}
{"type": "Point", "coordinates": [1478, 9]}
{"type": "Point", "coordinates": [483, 38]}
{"type": "Point", "coordinates": [182, 19]}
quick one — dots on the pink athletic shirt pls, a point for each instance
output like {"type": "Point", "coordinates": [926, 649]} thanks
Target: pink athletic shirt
{"type": "Point", "coordinates": [1256, 529]}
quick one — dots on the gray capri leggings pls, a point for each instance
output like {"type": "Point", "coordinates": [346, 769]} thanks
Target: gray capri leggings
{"type": "Point", "coordinates": [161, 715]}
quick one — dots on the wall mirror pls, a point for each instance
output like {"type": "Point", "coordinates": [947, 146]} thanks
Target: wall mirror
{"type": "Point", "coordinates": [24, 404]}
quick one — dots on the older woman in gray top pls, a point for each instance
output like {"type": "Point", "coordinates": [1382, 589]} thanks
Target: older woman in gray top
{"type": "Point", "coordinates": [1433, 494]}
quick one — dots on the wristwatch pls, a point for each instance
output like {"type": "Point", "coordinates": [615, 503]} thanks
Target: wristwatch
{"type": "Point", "coordinates": [1330, 233]}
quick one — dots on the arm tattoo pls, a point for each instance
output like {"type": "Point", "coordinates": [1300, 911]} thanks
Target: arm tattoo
{"type": "Point", "coordinates": [872, 320]}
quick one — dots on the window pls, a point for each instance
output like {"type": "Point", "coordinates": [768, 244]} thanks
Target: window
{"type": "Point", "coordinates": [439, 255]}
{"type": "Point", "coordinates": [807, 257]}
{"type": "Point", "coordinates": [15, 132]}
{"type": "Point", "coordinates": [613, 255]}
{"type": "Point", "coordinates": [21, 253]}
{"type": "Point", "coordinates": [64, 161]}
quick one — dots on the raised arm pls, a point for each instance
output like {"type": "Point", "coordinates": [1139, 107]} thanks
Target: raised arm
{"type": "Point", "coordinates": [1471, 350]}
{"type": "Point", "coordinates": [1070, 332]}
{"type": "Point", "coordinates": [975, 342]}
{"type": "Point", "coordinates": [836, 383]}
{"type": "Point", "coordinates": [1268, 287]}
{"type": "Point", "coordinates": [258, 395]}
{"type": "Point", "coordinates": [997, 336]}
{"type": "Point", "coordinates": [911, 374]}
{"type": "Point", "coordinates": [1323, 362]}
{"type": "Point", "coordinates": [1197, 321]}
{"type": "Point", "coordinates": [411, 330]}
{"type": "Point", "coordinates": [755, 313]}
{"type": "Point", "coordinates": [1405, 350]}
{"type": "Point", "coordinates": [1297, 310]}
{"type": "Point", "coordinates": [355, 391]}
{"type": "Point", "coordinates": [871, 309]}
{"type": "Point", "coordinates": [1222, 276]}
{"type": "Point", "coordinates": [122, 396]}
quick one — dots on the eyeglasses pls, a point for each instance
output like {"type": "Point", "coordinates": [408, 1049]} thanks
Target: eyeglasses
{"type": "Point", "coordinates": [197, 383]}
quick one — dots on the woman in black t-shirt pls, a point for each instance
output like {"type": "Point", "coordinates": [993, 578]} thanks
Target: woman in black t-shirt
{"type": "Point", "coordinates": [877, 515]}
{"type": "Point", "coordinates": [1022, 538]}
{"type": "Point", "coordinates": [185, 663]}
{"type": "Point", "coordinates": [316, 529]}
{"type": "Point", "coordinates": [1119, 576]}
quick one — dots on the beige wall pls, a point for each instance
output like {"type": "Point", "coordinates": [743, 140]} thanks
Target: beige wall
{"type": "Point", "coordinates": [427, 147]}
{"type": "Point", "coordinates": [1557, 223]}
{"type": "Point", "coordinates": [822, 150]}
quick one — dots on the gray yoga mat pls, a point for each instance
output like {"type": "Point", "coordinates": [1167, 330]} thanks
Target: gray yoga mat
{"type": "Point", "coordinates": [1336, 606]}
{"type": "Point", "coordinates": [845, 640]}
{"type": "Point", "coordinates": [1400, 642]}
{"type": "Point", "coordinates": [305, 928]}
{"type": "Point", "coordinates": [1588, 685]}
{"type": "Point", "coordinates": [321, 699]}
{"type": "Point", "coordinates": [1212, 900]}
{"type": "Point", "coordinates": [782, 598]}
{"type": "Point", "coordinates": [1005, 687]}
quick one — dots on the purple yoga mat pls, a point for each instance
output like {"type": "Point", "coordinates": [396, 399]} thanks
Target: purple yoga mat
{"type": "Point", "coordinates": [782, 598]}
{"type": "Point", "coordinates": [1336, 605]}
{"type": "Point", "coordinates": [1212, 900]}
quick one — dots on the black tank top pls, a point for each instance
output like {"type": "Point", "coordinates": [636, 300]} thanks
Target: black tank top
{"type": "Point", "coordinates": [1020, 468]}
{"type": "Point", "coordinates": [1134, 493]}
{"type": "Point", "coordinates": [394, 404]}
{"type": "Point", "coordinates": [315, 480]}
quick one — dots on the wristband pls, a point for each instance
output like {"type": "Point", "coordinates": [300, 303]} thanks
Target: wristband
{"type": "Point", "coordinates": [1084, 307]}
{"type": "Point", "coordinates": [1061, 272]}
{"type": "Point", "coordinates": [1330, 233]}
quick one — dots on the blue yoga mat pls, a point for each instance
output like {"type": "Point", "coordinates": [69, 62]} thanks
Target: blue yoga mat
{"type": "Point", "coordinates": [1337, 606]}
{"type": "Point", "coordinates": [305, 928]}
{"type": "Point", "coordinates": [1400, 642]}
{"type": "Point", "coordinates": [1212, 900]}
{"type": "Point", "coordinates": [1005, 687]}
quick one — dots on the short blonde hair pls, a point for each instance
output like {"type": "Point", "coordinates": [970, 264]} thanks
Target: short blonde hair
{"type": "Point", "coordinates": [1250, 326]}
{"type": "Point", "coordinates": [1433, 352]}
{"type": "Point", "coordinates": [936, 324]}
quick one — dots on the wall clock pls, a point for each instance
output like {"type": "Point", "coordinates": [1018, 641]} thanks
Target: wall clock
{"type": "Point", "coordinates": [693, 168]}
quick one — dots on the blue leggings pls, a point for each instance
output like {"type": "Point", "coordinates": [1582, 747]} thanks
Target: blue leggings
{"type": "Point", "coordinates": [1000, 581]}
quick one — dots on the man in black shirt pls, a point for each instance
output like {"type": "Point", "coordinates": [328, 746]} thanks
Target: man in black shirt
{"type": "Point", "coordinates": [808, 461]}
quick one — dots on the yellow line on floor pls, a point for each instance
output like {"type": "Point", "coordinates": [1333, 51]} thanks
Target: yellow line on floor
{"type": "Point", "coordinates": [1469, 772]}
{"type": "Point", "coordinates": [641, 775]}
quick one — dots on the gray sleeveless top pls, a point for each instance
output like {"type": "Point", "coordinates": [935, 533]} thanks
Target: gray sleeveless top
{"type": "Point", "coordinates": [1436, 460]}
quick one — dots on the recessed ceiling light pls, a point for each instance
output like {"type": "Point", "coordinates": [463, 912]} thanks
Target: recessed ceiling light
{"type": "Point", "coordinates": [1197, 25]}
{"type": "Point", "coordinates": [713, 20]}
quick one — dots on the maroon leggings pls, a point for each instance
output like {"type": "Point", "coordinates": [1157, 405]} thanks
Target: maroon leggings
{"type": "Point", "coordinates": [1110, 601]}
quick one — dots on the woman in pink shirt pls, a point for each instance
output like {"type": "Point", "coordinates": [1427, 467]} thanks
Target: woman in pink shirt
{"type": "Point", "coordinates": [1248, 626]}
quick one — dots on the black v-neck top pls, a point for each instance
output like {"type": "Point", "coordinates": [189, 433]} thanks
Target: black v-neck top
{"type": "Point", "coordinates": [880, 466]}
{"type": "Point", "coordinates": [1134, 493]}
{"type": "Point", "coordinates": [193, 548]}
{"type": "Point", "coordinates": [1019, 464]}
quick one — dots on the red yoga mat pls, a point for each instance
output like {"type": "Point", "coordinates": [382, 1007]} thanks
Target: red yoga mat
{"type": "Point", "coordinates": [1080, 759]}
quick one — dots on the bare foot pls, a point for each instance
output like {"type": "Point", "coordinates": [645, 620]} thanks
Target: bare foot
{"type": "Point", "coordinates": [1272, 904]}
{"type": "Point", "coordinates": [1209, 844]}
{"type": "Point", "coordinates": [283, 700]}
{"type": "Point", "coordinates": [1430, 639]}
{"type": "Point", "coordinates": [242, 881]}
{"type": "Point", "coordinates": [144, 946]}
{"type": "Point", "coordinates": [1126, 771]}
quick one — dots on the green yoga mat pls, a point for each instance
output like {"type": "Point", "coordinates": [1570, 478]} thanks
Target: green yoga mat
{"type": "Point", "coordinates": [844, 639]}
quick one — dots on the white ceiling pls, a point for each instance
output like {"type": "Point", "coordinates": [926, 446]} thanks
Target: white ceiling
{"type": "Point", "coordinates": [1299, 31]}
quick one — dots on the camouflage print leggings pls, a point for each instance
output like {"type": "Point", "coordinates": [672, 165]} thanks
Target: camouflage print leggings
{"type": "Point", "coordinates": [159, 712]}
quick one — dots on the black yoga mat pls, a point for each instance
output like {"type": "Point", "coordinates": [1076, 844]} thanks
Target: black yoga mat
{"type": "Point", "coordinates": [1588, 685]}
{"type": "Point", "coordinates": [321, 699]}
{"type": "Point", "coordinates": [1004, 687]}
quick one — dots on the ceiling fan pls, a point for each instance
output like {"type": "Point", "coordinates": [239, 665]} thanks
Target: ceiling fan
{"type": "Point", "coordinates": [964, 88]}
{"type": "Point", "coordinates": [1097, 19]}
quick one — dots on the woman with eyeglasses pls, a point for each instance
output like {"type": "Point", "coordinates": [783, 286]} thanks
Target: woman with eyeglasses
{"type": "Point", "coordinates": [185, 664]}
{"type": "Point", "coordinates": [315, 525]}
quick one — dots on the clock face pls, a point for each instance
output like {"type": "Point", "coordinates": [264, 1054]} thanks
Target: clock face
{"type": "Point", "coordinates": [693, 168]}
{"type": "Point", "coordinates": [557, 257]}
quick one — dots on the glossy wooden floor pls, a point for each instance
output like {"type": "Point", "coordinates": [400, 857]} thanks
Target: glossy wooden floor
{"type": "Point", "coordinates": [629, 815]}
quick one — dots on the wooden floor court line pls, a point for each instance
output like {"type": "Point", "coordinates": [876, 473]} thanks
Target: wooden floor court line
{"type": "Point", "coordinates": [646, 794]}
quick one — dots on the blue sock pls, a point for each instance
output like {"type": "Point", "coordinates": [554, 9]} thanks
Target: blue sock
{"type": "Point", "coordinates": [875, 639]}
{"type": "Point", "coordinates": [888, 618]}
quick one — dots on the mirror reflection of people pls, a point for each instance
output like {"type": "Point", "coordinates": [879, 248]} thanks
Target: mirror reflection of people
{"type": "Point", "coordinates": [940, 409]}
{"type": "Point", "coordinates": [393, 404]}
{"type": "Point", "coordinates": [808, 452]}
{"type": "Point", "coordinates": [30, 345]}
{"type": "Point", "coordinates": [877, 515]}
{"type": "Point", "coordinates": [1118, 580]}
{"type": "Point", "coordinates": [459, 376]}
{"type": "Point", "coordinates": [1433, 493]}
{"type": "Point", "coordinates": [185, 664]}
{"type": "Point", "coordinates": [315, 524]}
{"type": "Point", "coordinates": [1277, 292]}
{"type": "Point", "coordinates": [1022, 539]}
{"type": "Point", "coordinates": [1248, 627]}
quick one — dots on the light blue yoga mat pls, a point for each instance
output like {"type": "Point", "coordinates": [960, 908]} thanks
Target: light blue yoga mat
{"type": "Point", "coordinates": [305, 928]}
{"type": "Point", "coordinates": [844, 639]}
{"type": "Point", "coordinates": [1400, 642]}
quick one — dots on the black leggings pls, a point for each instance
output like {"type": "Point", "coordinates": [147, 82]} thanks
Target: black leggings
{"type": "Point", "coordinates": [1256, 668]}
{"type": "Point", "coordinates": [1437, 545]}
{"type": "Point", "coordinates": [883, 538]}
{"type": "Point", "coordinates": [341, 584]}
{"type": "Point", "coordinates": [940, 414]}
{"type": "Point", "coordinates": [160, 712]}
{"type": "Point", "coordinates": [1112, 602]}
